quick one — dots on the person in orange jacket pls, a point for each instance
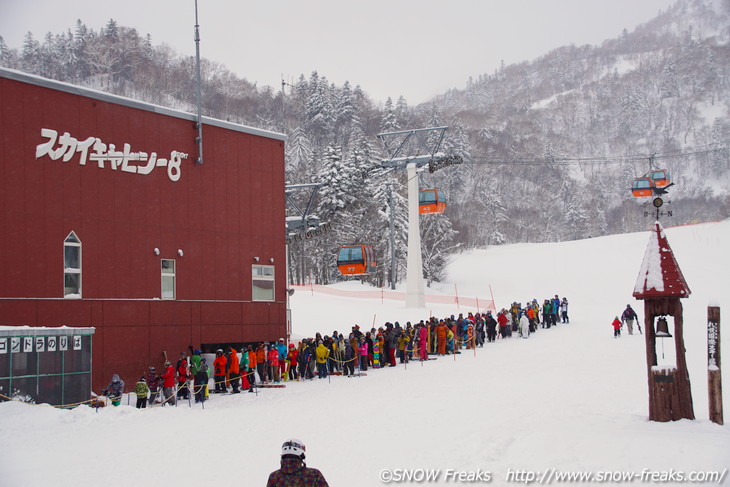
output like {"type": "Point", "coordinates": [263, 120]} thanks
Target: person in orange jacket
{"type": "Point", "coordinates": [252, 361]}
{"type": "Point", "coordinates": [441, 331]}
{"type": "Point", "coordinates": [234, 371]}
{"type": "Point", "coordinates": [261, 362]}
{"type": "Point", "coordinates": [531, 316]}
{"type": "Point", "coordinates": [219, 371]}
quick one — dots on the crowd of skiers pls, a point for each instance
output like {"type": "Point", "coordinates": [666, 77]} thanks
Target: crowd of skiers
{"type": "Point", "coordinates": [267, 364]}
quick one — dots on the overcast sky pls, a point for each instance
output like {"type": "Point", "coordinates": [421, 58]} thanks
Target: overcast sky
{"type": "Point", "coordinates": [414, 48]}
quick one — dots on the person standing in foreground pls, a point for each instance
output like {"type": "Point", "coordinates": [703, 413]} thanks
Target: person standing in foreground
{"type": "Point", "coordinates": [294, 472]}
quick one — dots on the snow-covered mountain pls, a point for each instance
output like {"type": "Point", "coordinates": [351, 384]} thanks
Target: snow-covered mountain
{"type": "Point", "coordinates": [550, 145]}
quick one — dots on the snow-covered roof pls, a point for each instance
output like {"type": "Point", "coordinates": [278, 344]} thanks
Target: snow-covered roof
{"type": "Point", "coordinates": [660, 275]}
{"type": "Point", "coordinates": [120, 100]}
{"type": "Point", "coordinates": [25, 330]}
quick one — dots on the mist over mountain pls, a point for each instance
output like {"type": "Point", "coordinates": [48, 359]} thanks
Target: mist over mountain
{"type": "Point", "coordinates": [550, 146]}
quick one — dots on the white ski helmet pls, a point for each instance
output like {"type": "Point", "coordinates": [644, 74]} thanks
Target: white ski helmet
{"type": "Point", "coordinates": [293, 447]}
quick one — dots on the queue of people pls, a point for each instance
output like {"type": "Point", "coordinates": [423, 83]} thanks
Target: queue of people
{"type": "Point", "coordinates": [270, 364]}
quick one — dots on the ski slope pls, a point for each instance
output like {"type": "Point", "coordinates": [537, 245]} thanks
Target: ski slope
{"type": "Point", "coordinates": [570, 399]}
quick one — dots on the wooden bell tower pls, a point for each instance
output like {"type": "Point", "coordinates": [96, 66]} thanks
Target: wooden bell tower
{"type": "Point", "coordinates": [661, 285]}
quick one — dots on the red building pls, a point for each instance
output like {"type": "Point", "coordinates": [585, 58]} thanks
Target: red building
{"type": "Point", "coordinates": [110, 223]}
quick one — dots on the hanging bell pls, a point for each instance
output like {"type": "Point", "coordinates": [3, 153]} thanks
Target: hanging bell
{"type": "Point", "coordinates": [662, 329]}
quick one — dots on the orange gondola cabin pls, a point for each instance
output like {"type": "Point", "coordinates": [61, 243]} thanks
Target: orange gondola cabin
{"type": "Point", "coordinates": [652, 183]}
{"type": "Point", "coordinates": [431, 201]}
{"type": "Point", "coordinates": [660, 178]}
{"type": "Point", "coordinates": [642, 187]}
{"type": "Point", "coordinates": [356, 260]}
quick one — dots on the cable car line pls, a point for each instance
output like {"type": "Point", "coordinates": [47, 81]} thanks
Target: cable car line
{"type": "Point", "coordinates": [568, 161]}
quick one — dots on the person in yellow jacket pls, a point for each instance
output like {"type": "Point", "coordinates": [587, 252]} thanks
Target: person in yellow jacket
{"type": "Point", "coordinates": [322, 354]}
{"type": "Point", "coordinates": [403, 341]}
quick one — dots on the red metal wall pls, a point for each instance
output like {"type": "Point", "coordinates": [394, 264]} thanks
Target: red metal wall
{"type": "Point", "coordinates": [220, 214]}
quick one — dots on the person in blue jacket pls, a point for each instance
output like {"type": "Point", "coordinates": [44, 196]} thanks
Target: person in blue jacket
{"type": "Point", "coordinates": [282, 349]}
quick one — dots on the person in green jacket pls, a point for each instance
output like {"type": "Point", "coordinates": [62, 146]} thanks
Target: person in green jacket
{"type": "Point", "coordinates": [195, 362]}
{"type": "Point", "coordinates": [142, 391]}
{"type": "Point", "coordinates": [547, 310]}
{"type": "Point", "coordinates": [243, 366]}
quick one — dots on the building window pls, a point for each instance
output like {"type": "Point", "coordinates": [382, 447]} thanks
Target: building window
{"type": "Point", "coordinates": [72, 267]}
{"type": "Point", "coordinates": [263, 282]}
{"type": "Point", "coordinates": [168, 279]}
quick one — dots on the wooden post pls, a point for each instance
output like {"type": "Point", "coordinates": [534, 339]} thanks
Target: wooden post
{"type": "Point", "coordinates": [714, 379]}
{"type": "Point", "coordinates": [686, 409]}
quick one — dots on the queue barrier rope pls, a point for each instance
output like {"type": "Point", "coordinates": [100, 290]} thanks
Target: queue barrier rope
{"type": "Point", "coordinates": [415, 351]}
{"type": "Point", "coordinates": [60, 406]}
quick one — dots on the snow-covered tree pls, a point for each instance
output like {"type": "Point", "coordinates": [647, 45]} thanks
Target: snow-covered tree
{"type": "Point", "coordinates": [346, 114]}
{"type": "Point", "coordinates": [319, 115]}
{"type": "Point", "coordinates": [389, 122]}
{"type": "Point", "coordinates": [437, 243]}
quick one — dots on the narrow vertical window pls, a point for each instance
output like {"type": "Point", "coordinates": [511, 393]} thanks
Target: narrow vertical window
{"type": "Point", "coordinates": [262, 283]}
{"type": "Point", "coordinates": [168, 279]}
{"type": "Point", "coordinates": [72, 267]}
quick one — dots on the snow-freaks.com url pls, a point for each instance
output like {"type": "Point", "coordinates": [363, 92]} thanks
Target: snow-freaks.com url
{"type": "Point", "coordinates": [552, 476]}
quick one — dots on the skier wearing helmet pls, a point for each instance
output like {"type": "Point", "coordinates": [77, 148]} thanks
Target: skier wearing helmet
{"type": "Point", "coordinates": [294, 472]}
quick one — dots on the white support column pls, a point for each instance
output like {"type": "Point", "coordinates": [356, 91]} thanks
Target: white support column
{"type": "Point", "coordinates": [415, 295]}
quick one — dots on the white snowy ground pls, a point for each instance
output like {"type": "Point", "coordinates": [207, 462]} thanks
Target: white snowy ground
{"type": "Point", "coordinates": [572, 398]}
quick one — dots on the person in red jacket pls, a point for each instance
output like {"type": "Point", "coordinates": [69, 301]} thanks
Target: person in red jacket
{"type": "Point", "coordinates": [273, 361]}
{"type": "Point", "coordinates": [168, 384]}
{"type": "Point", "coordinates": [292, 357]}
{"type": "Point", "coordinates": [616, 327]}
{"type": "Point", "coordinates": [503, 323]}
{"type": "Point", "coordinates": [219, 371]}
{"type": "Point", "coordinates": [183, 375]}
